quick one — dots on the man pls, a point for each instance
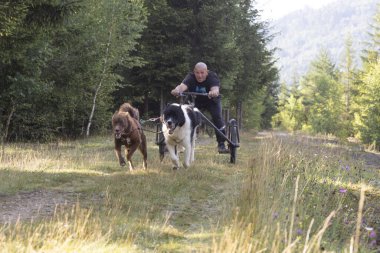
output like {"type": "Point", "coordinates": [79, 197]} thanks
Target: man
{"type": "Point", "coordinates": [202, 80]}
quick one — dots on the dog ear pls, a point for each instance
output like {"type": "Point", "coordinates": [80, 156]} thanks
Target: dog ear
{"type": "Point", "coordinates": [114, 115]}
{"type": "Point", "coordinates": [124, 114]}
{"type": "Point", "coordinates": [180, 116]}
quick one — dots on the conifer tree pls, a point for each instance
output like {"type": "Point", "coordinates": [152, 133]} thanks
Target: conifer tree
{"type": "Point", "coordinates": [348, 77]}
{"type": "Point", "coordinates": [322, 96]}
{"type": "Point", "coordinates": [164, 50]}
{"type": "Point", "coordinates": [256, 71]}
{"type": "Point", "coordinates": [25, 49]}
{"type": "Point", "coordinates": [367, 103]}
{"type": "Point", "coordinates": [52, 54]}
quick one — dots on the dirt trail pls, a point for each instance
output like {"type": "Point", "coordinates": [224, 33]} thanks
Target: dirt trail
{"type": "Point", "coordinates": [42, 203]}
{"type": "Point", "coordinates": [39, 204]}
{"type": "Point", "coordinates": [33, 205]}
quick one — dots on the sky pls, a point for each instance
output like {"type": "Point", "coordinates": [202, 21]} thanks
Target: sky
{"type": "Point", "coordinates": [274, 9]}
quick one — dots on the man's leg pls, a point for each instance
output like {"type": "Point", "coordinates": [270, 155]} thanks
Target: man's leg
{"type": "Point", "coordinates": [215, 109]}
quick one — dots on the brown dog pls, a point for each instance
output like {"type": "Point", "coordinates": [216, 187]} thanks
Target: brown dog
{"type": "Point", "coordinates": [128, 132]}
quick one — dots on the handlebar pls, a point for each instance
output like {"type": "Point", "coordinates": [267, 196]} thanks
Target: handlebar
{"type": "Point", "coordinates": [190, 93]}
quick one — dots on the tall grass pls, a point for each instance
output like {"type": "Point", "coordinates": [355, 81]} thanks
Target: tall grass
{"type": "Point", "coordinates": [77, 230]}
{"type": "Point", "coordinates": [285, 194]}
{"type": "Point", "coordinates": [303, 195]}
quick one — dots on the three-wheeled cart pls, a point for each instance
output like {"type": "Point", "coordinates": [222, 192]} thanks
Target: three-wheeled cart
{"type": "Point", "coordinates": [232, 130]}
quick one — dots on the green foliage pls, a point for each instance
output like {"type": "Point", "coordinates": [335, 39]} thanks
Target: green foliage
{"type": "Point", "coordinates": [371, 52]}
{"type": "Point", "coordinates": [322, 96]}
{"type": "Point", "coordinates": [213, 34]}
{"type": "Point", "coordinates": [25, 51]}
{"type": "Point", "coordinates": [366, 108]}
{"type": "Point", "coordinates": [55, 54]}
{"type": "Point", "coordinates": [253, 109]}
{"type": "Point", "coordinates": [11, 16]}
{"type": "Point", "coordinates": [291, 114]}
{"type": "Point", "coordinates": [66, 65]}
{"type": "Point", "coordinates": [226, 36]}
{"type": "Point", "coordinates": [344, 103]}
{"type": "Point", "coordinates": [348, 80]}
{"type": "Point", "coordinates": [367, 118]}
{"type": "Point", "coordinates": [164, 49]}
{"type": "Point", "coordinates": [256, 72]}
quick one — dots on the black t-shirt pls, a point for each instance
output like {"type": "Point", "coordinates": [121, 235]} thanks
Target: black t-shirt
{"type": "Point", "coordinates": [204, 87]}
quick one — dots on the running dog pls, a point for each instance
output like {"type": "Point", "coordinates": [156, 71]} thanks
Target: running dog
{"type": "Point", "coordinates": [128, 132]}
{"type": "Point", "coordinates": [179, 124]}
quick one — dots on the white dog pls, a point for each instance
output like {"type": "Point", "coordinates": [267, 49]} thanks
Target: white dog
{"type": "Point", "coordinates": [179, 127]}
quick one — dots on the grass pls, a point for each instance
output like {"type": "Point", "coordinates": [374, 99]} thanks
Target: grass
{"type": "Point", "coordinates": [285, 194]}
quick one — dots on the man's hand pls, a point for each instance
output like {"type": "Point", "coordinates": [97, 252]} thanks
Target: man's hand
{"type": "Point", "coordinates": [213, 93]}
{"type": "Point", "coordinates": [175, 92]}
{"type": "Point", "coordinates": [179, 89]}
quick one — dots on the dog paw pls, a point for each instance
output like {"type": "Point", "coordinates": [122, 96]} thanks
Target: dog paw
{"type": "Point", "coordinates": [122, 161]}
{"type": "Point", "coordinates": [175, 168]}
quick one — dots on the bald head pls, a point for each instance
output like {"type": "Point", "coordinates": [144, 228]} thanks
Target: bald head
{"type": "Point", "coordinates": [200, 66]}
{"type": "Point", "coordinates": [200, 71]}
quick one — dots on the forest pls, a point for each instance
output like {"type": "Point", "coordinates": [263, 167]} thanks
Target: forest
{"type": "Point", "coordinates": [337, 98]}
{"type": "Point", "coordinates": [66, 65]}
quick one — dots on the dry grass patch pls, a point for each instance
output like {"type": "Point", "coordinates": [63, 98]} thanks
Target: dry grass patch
{"type": "Point", "coordinates": [285, 194]}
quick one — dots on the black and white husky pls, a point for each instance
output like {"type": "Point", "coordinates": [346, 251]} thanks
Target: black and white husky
{"type": "Point", "coordinates": [179, 127]}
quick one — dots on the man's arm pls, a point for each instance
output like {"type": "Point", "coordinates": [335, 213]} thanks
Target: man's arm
{"type": "Point", "coordinates": [214, 92]}
{"type": "Point", "coordinates": [179, 89]}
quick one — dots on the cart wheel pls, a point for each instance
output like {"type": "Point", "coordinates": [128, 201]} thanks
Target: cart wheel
{"type": "Point", "coordinates": [160, 141]}
{"type": "Point", "coordinates": [161, 150]}
{"type": "Point", "coordinates": [234, 137]}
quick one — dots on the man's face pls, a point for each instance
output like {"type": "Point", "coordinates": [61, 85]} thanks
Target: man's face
{"type": "Point", "coordinates": [200, 74]}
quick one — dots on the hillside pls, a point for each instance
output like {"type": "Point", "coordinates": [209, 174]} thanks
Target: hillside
{"type": "Point", "coordinates": [300, 35]}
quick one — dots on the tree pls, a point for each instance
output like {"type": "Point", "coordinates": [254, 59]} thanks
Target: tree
{"type": "Point", "coordinates": [291, 114]}
{"type": "Point", "coordinates": [213, 38]}
{"type": "Point", "coordinates": [24, 52]}
{"type": "Point", "coordinates": [117, 18]}
{"type": "Point", "coordinates": [322, 96]}
{"type": "Point", "coordinates": [55, 57]}
{"type": "Point", "coordinates": [367, 119]}
{"type": "Point", "coordinates": [348, 77]}
{"type": "Point", "coordinates": [164, 49]}
{"type": "Point", "coordinates": [371, 52]}
{"type": "Point", "coordinates": [64, 64]}
{"type": "Point", "coordinates": [367, 103]}
{"type": "Point", "coordinates": [256, 72]}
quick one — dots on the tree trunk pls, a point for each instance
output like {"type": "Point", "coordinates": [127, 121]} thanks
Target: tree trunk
{"type": "Point", "coordinates": [162, 102]}
{"type": "Point", "coordinates": [5, 136]}
{"type": "Point", "coordinates": [146, 104]}
{"type": "Point", "coordinates": [99, 85]}
{"type": "Point", "coordinates": [239, 114]}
